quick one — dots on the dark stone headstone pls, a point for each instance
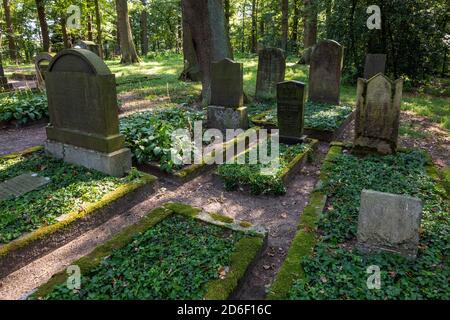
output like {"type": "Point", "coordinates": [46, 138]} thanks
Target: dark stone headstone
{"type": "Point", "coordinates": [378, 114]}
{"type": "Point", "coordinates": [389, 222]}
{"type": "Point", "coordinates": [88, 45]}
{"type": "Point", "coordinates": [21, 185]}
{"type": "Point", "coordinates": [325, 72]}
{"type": "Point", "coordinates": [41, 64]}
{"type": "Point", "coordinates": [291, 98]}
{"type": "Point", "coordinates": [227, 84]}
{"type": "Point", "coordinates": [84, 122]}
{"type": "Point", "coordinates": [375, 64]}
{"type": "Point", "coordinates": [271, 71]}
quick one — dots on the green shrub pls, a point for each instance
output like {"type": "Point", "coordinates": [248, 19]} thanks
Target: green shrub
{"type": "Point", "coordinates": [23, 107]}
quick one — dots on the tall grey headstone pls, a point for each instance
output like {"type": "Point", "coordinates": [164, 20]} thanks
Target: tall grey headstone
{"type": "Point", "coordinates": [378, 114]}
{"type": "Point", "coordinates": [227, 109]}
{"type": "Point", "coordinates": [375, 64]}
{"type": "Point", "coordinates": [84, 122]}
{"type": "Point", "coordinates": [291, 98]}
{"type": "Point", "coordinates": [271, 71]}
{"type": "Point", "coordinates": [325, 72]}
{"type": "Point", "coordinates": [389, 222]}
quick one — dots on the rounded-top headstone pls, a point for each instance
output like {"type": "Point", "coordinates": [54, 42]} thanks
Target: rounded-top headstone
{"type": "Point", "coordinates": [79, 60]}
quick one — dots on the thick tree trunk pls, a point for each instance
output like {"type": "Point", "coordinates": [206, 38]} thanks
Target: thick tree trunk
{"type": "Point", "coordinates": [43, 24]}
{"type": "Point", "coordinates": [284, 24]}
{"type": "Point", "coordinates": [10, 31]}
{"type": "Point", "coordinates": [90, 37]}
{"type": "Point", "coordinates": [296, 18]}
{"type": "Point", "coordinates": [2, 72]}
{"type": "Point", "coordinates": [254, 26]}
{"type": "Point", "coordinates": [310, 21]}
{"type": "Point", "coordinates": [144, 28]}
{"type": "Point", "coordinates": [205, 40]}
{"type": "Point", "coordinates": [64, 33]}
{"type": "Point", "coordinates": [227, 6]}
{"type": "Point", "coordinates": [98, 20]}
{"type": "Point", "coordinates": [127, 47]}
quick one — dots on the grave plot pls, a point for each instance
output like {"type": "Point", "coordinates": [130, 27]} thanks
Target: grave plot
{"type": "Point", "coordinates": [250, 177]}
{"type": "Point", "coordinates": [45, 203]}
{"type": "Point", "coordinates": [149, 136]}
{"type": "Point", "coordinates": [174, 252]}
{"type": "Point", "coordinates": [324, 122]}
{"type": "Point", "coordinates": [22, 107]}
{"type": "Point", "coordinates": [324, 262]}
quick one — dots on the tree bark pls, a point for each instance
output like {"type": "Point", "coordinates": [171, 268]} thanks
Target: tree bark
{"type": "Point", "coordinates": [98, 20]}
{"type": "Point", "coordinates": [310, 21]}
{"type": "Point", "coordinates": [284, 24]}
{"type": "Point", "coordinates": [90, 37]}
{"type": "Point", "coordinates": [43, 24]}
{"type": "Point", "coordinates": [205, 40]}
{"type": "Point", "coordinates": [144, 28]}
{"type": "Point", "coordinates": [64, 33]}
{"type": "Point", "coordinates": [127, 47]}
{"type": "Point", "coordinates": [227, 6]}
{"type": "Point", "coordinates": [10, 31]}
{"type": "Point", "coordinates": [254, 26]}
{"type": "Point", "coordinates": [296, 18]}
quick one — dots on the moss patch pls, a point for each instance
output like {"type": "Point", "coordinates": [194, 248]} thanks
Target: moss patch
{"type": "Point", "coordinates": [183, 209]}
{"type": "Point", "coordinates": [221, 218]}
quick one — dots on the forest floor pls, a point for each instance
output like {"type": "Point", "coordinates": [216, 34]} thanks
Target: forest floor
{"type": "Point", "coordinates": [138, 90]}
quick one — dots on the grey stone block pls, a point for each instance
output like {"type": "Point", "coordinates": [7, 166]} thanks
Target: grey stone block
{"type": "Point", "coordinates": [116, 163]}
{"type": "Point", "coordinates": [389, 222]}
{"type": "Point", "coordinates": [223, 118]}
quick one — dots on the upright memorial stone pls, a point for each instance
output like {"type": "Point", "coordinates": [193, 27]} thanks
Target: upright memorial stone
{"type": "Point", "coordinates": [375, 64]}
{"type": "Point", "coordinates": [325, 72]}
{"type": "Point", "coordinates": [84, 122]}
{"type": "Point", "coordinates": [41, 64]}
{"type": "Point", "coordinates": [88, 45]}
{"type": "Point", "coordinates": [389, 222]}
{"type": "Point", "coordinates": [227, 96]}
{"type": "Point", "coordinates": [291, 98]}
{"type": "Point", "coordinates": [378, 114]}
{"type": "Point", "coordinates": [271, 71]}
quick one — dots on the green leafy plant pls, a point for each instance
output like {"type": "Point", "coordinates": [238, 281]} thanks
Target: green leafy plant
{"type": "Point", "coordinates": [23, 107]}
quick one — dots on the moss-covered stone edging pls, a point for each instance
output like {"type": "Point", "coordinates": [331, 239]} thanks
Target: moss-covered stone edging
{"type": "Point", "coordinates": [190, 172]}
{"type": "Point", "coordinates": [247, 250]}
{"type": "Point", "coordinates": [304, 241]}
{"type": "Point", "coordinates": [314, 133]}
{"type": "Point", "coordinates": [33, 245]}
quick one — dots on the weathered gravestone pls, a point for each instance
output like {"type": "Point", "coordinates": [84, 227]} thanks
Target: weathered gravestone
{"type": "Point", "coordinates": [41, 64]}
{"type": "Point", "coordinates": [88, 45]}
{"type": "Point", "coordinates": [378, 114]}
{"type": "Point", "coordinates": [21, 185]}
{"type": "Point", "coordinates": [227, 96]}
{"type": "Point", "coordinates": [290, 97]}
{"type": "Point", "coordinates": [375, 64]}
{"type": "Point", "coordinates": [325, 72]}
{"type": "Point", "coordinates": [271, 71]}
{"type": "Point", "coordinates": [84, 123]}
{"type": "Point", "coordinates": [389, 222]}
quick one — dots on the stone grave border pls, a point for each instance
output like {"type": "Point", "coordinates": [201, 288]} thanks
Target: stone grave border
{"type": "Point", "coordinates": [33, 245]}
{"type": "Point", "coordinates": [246, 253]}
{"type": "Point", "coordinates": [306, 238]}
{"type": "Point", "coordinates": [314, 133]}
{"type": "Point", "coordinates": [295, 166]}
{"type": "Point", "coordinates": [191, 172]}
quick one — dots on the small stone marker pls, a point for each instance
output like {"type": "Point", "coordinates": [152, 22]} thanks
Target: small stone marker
{"type": "Point", "coordinates": [325, 72]}
{"type": "Point", "coordinates": [227, 96]}
{"type": "Point", "coordinates": [41, 64]}
{"type": "Point", "coordinates": [88, 45]}
{"type": "Point", "coordinates": [84, 121]}
{"type": "Point", "coordinates": [290, 97]}
{"type": "Point", "coordinates": [271, 71]}
{"type": "Point", "coordinates": [21, 185]}
{"type": "Point", "coordinates": [389, 222]}
{"type": "Point", "coordinates": [378, 114]}
{"type": "Point", "coordinates": [375, 63]}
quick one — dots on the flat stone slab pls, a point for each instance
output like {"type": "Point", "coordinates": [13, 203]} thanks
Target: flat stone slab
{"type": "Point", "coordinates": [21, 185]}
{"type": "Point", "coordinates": [389, 222]}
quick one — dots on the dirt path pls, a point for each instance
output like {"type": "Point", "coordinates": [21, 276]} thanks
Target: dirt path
{"type": "Point", "coordinates": [13, 140]}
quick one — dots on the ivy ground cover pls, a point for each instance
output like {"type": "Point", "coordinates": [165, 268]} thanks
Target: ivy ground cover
{"type": "Point", "coordinates": [22, 107]}
{"type": "Point", "coordinates": [318, 116]}
{"type": "Point", "coordinates": [71, 188]}
{"type": "Point", "coordinates": [249, 176]}
{"type": "Point", "coordinates": [172, 254]}
{"type": "Point", "coordinates": [336, 270]}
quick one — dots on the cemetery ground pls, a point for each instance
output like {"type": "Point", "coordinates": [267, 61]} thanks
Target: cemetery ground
{"type": "Point", "coordinates": [327, 273]}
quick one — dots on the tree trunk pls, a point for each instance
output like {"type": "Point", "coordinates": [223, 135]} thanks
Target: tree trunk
{"type": "Point", "coordinates": [90, 37]}
{"type": "Point", "coordinates": [127, 47]}
{"type": "Point", "coordinates": [310, 21]}
{"type": "Point", "coordinates": [296, 18]}
{"type": "Point", "coordinates": [144, 28]}
{"type": "Point", "coordinates": [2, 72]}
{"type": "Point", "coordinates": [254, 26]}
{"type": "Point", "coordinates": [243, 27]}
{"type": "Point", "coordinates": [64, 33]}
{"type": "Point", "coordinates": [227, 15]}
{"type": "Point", "coordinates": [98, 20]}
{"type": "Point", "coordinates": [205, 40]}
{"type": "Point", "coordinates": [284, 24]}
{"type": "Point", "coordinates": [10, 31]}
{"type": "Point", "coordinates": [44, 26]}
